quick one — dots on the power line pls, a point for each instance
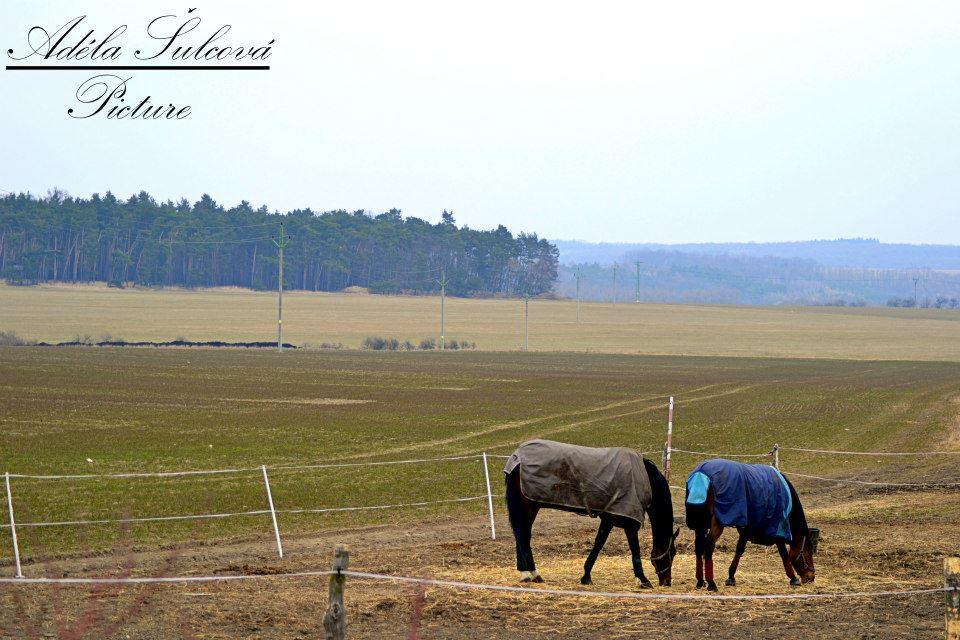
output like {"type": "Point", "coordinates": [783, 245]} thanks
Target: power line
{"type": "Point", "coordinates": [227, 241]}
{"type": "Point", "coordinates": [140, 235]}
{"type": "Point", "coordinates": [425, 273]}
{"type": "Point", "coordinates": [159, 226]}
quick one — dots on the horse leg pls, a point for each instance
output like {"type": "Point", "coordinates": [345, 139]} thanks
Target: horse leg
{"type": "Point", "coordinates": [602, 532]}
{"type": "Point", "coordinates": [711, 536]}
{"type": "Point", "coordinates": [787, 565]}
{"type": "Point", "coordinates": [732, 574]}
{"type": "Point", "coordinates": [699, 546]}
{"type": "Point", "coordinates": [634, 541]}
{"type": "Point", "coordinates": [709, 544]}
{"type": "Point", "coordinates": [522, 514]}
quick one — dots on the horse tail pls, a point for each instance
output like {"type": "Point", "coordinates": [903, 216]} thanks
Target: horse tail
{"type": "Point", "coordinates": [519, 507]}
{"type": "Point", "coordinates": [698, 516]}
{"type": "Point", "coordinates": [513, 495]}
{"type": "Point", "coordinates": [522, 513]}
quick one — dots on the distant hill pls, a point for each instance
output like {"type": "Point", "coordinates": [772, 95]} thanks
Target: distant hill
{"type": "Point", "coordinates": [856, 252]}
{"type": "Point", "coordinates": [841, 272]}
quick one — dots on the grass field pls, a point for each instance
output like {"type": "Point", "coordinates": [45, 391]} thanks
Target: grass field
{"type": "Point", "coordinates": [154, 410]}
{"type": "Point", "coordinates": [162, 410]}
{"type": "Point", "coordinates": [59, 313]}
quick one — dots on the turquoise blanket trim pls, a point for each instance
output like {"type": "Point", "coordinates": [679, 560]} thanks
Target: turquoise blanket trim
{"type": "Point", "coordinates": [697, 486]}
{"type": "Point", "coordinates": [784, 527]}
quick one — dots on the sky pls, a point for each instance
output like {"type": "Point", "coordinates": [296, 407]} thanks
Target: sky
{"type": "Point", "coordinates": [619, 122]}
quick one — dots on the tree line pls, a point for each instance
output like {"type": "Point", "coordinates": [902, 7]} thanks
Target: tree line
{"type": "Point", "coordinates": [147, 243]}
{"type": "Point", "coordinates": [693, 277]}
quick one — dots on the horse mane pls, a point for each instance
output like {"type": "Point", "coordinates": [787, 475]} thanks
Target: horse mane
{"type": "Point", "coordinates": [661, 505]}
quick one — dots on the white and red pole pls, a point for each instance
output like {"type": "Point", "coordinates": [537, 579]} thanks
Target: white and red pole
{"type": "Point", "coordinates": [13, 526]}
{"type": "Point", "coordinates": [666, 463]}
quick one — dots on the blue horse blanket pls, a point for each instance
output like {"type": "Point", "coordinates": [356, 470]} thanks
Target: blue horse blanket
{"type": "Point", "coordinates": [744, 495]}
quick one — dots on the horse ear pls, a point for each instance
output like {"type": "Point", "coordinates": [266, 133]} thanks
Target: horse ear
{"type": "Point", "coordinates": [676, 533]}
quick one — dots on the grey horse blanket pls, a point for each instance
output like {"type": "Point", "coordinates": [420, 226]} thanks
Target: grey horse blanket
{"type": "Point", "coordinates": [608, 480]}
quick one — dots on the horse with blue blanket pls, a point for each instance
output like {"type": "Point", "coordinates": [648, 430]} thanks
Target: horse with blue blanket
{"type": "Point", "coordinates": [764, 507]}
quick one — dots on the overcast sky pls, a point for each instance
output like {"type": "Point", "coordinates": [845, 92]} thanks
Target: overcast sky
{"type": "Point", "coordinates": [632, 122]}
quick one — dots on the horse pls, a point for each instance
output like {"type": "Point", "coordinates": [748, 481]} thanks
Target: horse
{"type": "Point", "coordinates": [599, 491]}
{"type": "Point", "coordinates": [709, 500]}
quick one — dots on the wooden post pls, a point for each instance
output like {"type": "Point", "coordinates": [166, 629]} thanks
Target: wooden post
{"type": "Point", "coordinates": [951, 580]}
{"type": "Point", "coordinates": [335, 619]}
{"type": "Point", "coordinates": [776, 457]}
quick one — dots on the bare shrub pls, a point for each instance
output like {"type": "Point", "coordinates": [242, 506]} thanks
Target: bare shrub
{"type": "Point", "coordinates": [378, 343]}
{"type": "Point", "coordinates": [11, 339]}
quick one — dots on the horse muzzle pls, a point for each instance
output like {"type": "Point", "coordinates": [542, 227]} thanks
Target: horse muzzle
{"type": "Point", "coordinates": [665, 580]}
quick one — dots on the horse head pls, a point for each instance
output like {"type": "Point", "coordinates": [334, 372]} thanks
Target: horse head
{"type": "Point", "coordinates": [663, 560]}
{"type": "Point", "coordinates": [801, 556]}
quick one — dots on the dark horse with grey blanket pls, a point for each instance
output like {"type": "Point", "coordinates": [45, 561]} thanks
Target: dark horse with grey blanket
{"type": "Point", "coordinates": [764, 507]}
{"type": "Point", "coordinates": [617, 485]}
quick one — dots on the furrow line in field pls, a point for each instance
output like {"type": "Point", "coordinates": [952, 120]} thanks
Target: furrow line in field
{"type": "Point", "coordinates": [503, 426]}
{"type": "Point", "coordinates": [573, 425]}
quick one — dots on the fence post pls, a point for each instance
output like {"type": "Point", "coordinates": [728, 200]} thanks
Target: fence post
{"type": "Point", "coordinates": [273, 512]}
{"type": "Point", "coordinates": [666, 463]}
{"type": "Point", "coordinates": [13, 525]}
{"type": "Point", "coordinates": [335, 619]}
{"type": "Point", "coordinates": [776, 457]}
{"type": "Point", "coordinates": [951, 580]}
{"type": "Point", "coordinates": [486, 476]}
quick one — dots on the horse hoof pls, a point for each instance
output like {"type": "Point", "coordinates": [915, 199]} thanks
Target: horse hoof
{"type": "Point", "coordinates": [794, 582]}
{"type": "Point", "coordinates": [586, 580]}
{"type": "Point", "coordinates": [645, 584]}
{"type": "Point", "coordinates": [537, 578]}
{"type": "Point", "coordinates": [701, 584]}
{"type": "Point", "coordinates": [712, 586]}
{"type": "Point", "coordinates": [731, 582]}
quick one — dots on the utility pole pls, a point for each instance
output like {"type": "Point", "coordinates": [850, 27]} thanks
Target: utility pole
{"type": "Point", "coordinates": [638, 263]}
{"type": "Point", "coordinates": [281, 241]}
{"type": "Point", "coordinates": [443, 295]}
{"type": "Point", "coordinates": [916, 302]}
{"type": "Point", "coordinates": [526, 322]}
{"type": "Point", "coordinates": [579, 275]}
{"type": "Point", "coordinates": [615, 267]}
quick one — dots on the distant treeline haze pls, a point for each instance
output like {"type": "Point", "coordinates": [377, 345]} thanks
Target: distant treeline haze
{"type": "Point", "coordinates": [59, 238]}
{"type": "Point", "coordinates": [681, 276]}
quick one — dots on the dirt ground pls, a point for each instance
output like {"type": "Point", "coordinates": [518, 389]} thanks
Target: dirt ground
{"type": "Point", "coordinates": [856, 554]}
